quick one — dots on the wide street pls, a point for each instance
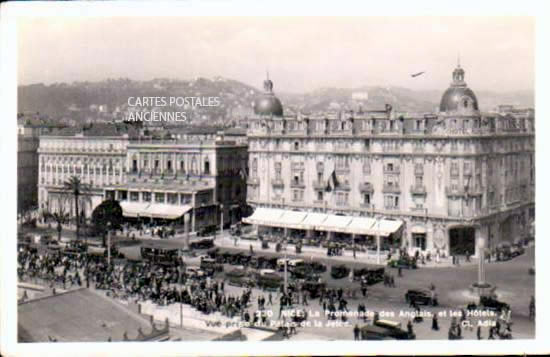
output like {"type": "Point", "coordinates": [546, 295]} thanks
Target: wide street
{"type": "Point", "coordinates": [514, 286]}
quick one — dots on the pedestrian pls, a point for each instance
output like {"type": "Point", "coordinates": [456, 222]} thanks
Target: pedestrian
{"type": "Point", "coordinates": [356, 332]}
{"type": "Point", "coordinates": [532, 308]}
{"type": "Point", "coordinates": [491, 334]}
{"type": "Point", "coordinates": [435, 325]}
{"type": "Point", "coordinates": [479, 333]}
{"type": "Point", "coordinates": [392, 281]}
{"type": "Point", "coordinates": [410, 328]}
{"type": "Point", "coordinates": [400, 272]}
{"type": "Point", "coordinates": [270, 301]}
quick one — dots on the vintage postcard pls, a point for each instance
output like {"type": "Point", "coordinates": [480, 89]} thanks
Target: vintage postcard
{"type": "Point", "coordinates": [299, 184]}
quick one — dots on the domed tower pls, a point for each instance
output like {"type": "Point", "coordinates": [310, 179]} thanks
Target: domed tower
{"type": "Point", "coordinates": [458, 98]}
{"type": "Point", "coordinates": [268, 103]}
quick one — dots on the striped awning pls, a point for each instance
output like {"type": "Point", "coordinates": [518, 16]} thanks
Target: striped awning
{"type": "Point", "coordinates": [274, 217]}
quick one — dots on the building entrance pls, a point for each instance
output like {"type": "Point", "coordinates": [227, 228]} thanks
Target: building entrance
{"type": "Point", "coordinates": [462, 240]}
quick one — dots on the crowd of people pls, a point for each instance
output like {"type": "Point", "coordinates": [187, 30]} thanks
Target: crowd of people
{"type": "Point", "coordinates": [164, 285]}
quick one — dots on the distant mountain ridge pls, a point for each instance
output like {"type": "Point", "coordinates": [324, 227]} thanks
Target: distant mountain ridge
{"type": "Point", "coordinates": [88, 101]}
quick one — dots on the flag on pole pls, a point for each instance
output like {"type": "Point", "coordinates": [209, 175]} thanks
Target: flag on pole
{"type": "Point", "coordinates": [332, 182]}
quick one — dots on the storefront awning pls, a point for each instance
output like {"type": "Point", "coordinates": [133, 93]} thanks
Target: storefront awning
{"type": "Point", "coordinates": [273, 217]}
{"type": "Point", "coordinates": [362, 225]}
{"type": "Point", "coordinates": [335, 223]}
{"type": "Point", "coordinates": [265, 217]}
{"type": "Point", "coordinates": [292, 219]}
{"type": "Point", "coordinates": [385, 227]}
{"type": "Point", "coordinates": [159, 210]}
{"type": "Point", "coordinates": [314, 219]}
{"type": "Point", "coordinates": [133, 209]}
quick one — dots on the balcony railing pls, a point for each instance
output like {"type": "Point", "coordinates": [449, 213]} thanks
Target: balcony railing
{"type": "Point", "coordinates": [391, 189]}
{"type": "Point", "coordinates": [418, 189]}
{"type": "Point", "coordinates": [297, 184]}
{"type": "Point", "coordinates": [277, 183]}
{"type": "Point", "coordinates": [366, 187]}
{"type": "Point", "coordinates": [394, 170]}
{"type": "Point", "coordinates": [319, 185]}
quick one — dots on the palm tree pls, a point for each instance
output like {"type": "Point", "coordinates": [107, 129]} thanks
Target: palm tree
{"type": "Point", "coordinates": [60, 218]}
{"type": "Point", "coordinates": [77, 191]}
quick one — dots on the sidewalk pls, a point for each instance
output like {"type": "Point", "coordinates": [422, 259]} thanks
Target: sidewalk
{"type": "Point", "coordinates": [369, 257]}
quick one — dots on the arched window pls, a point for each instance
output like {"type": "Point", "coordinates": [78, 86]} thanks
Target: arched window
{"type": "Point", "coordinates": [465, 103]}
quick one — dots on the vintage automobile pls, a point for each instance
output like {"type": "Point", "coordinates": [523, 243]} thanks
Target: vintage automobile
{"type": "Point", "coordinates": [394, 330]}
{"type": "Point", "coordinates": [369, 276]}
{"type": "Point", "coordinates": [211, 266]}
{"type": "Point", "coordinates": [375, 332]}
{"type": "Point", "coordinates": [314, 288]}
{"type": "Point", "coordinates": [421, 297]}
{"type": "Point", "coordinates": [268, 279]}
{"type": "Point", "coordinates": [194, 272]}
{"type": "Point", "coordinates": [491, 303]}
{"type": "Point", "coordinates": [516, 250]}
{"type": "Point", "coordinates": [404, 263]}
{"type": "Point", "coordinates": [240, 277]}
{"type": "Point", "coordinates": [206, 231]}
{"type": "Point", "coordinates": [339, 271]}
{"type": "Point", "coordinates": [158, 255]}
{"type": "Point", "coordinates": [202, 244]}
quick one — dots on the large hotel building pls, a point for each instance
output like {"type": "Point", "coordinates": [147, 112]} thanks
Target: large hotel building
{"type": "Point", "coordinates": [155, 181]}
{"type": "Point", "coordinates": [449, 181]}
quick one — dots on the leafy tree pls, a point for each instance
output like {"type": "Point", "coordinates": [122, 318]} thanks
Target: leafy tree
{"type": "Point", "coordinates": [108, 215]}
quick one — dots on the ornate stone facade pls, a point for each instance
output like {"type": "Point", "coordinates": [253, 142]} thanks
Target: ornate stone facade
{"type": "Point", "coordinates": [441, 173]}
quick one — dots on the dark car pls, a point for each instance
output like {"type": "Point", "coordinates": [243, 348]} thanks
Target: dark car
{"type": "Point", "coordinates": [339, 271]}
{"type": "Point", "coordinates": [210, 266]}
{"type": "Point", "coordinates": [206, 231]}
{"type": "Point", "coordinates": [491, 303]}
{"type": "Point", "coordinates": [374, 332]}
{"type": "Point", "coordinates": [404, 263]}
{"type": "Point", "coordinates": [369, 276]}
{"type": "Point", "coordinates": [421, 297]}
{"type": "Point", "coordinates": [240, 277]}
{"type": "Point", "coordinates": [315, 289]}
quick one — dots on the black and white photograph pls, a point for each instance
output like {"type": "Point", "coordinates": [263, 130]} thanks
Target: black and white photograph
{"type": "Point", "coordinates": [275, 179]}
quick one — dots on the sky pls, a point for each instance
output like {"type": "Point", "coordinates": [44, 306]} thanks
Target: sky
{"type": "Point", "coordinates": [301, 53]}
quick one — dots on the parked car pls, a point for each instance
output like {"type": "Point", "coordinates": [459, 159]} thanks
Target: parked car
{"type": "Point", "coordinates": [194, 272]}
{"type": "Point", "coordinates": [375, 332]}
{"type": "Point", "coordinates": [491, 303]}
{"type": "Point", "coordinates": [404, 263]}
{"type": "Point", "coordinates": [315, 289]}
{"type": "Point", "coordinates": [369, 276]}
{"type": "Point", "coordinates": [421, 297]}
{"type": "Point", "coordinates": [339, 271]}
{"type": "Point", "coordinates": [240, 277]}
{"type": "Point", "coordinates": [210, 266]}
{"type": "Point", "coordinates": [394, 329]}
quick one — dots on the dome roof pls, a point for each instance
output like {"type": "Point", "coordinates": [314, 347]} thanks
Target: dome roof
{"type": "Point", "coordinates": [268, 103]}
{"type": "Point", "coordinates": [458, 97]}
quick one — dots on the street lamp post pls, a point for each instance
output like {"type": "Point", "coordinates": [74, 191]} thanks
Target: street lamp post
{"type": "Point", "coordinates": [109, 243]}
{"type": "Point", "coordinates": [221, 220]}
{"type": "Point", "coordinates": [378, 241]}
{"type": "Point", "coordinates": [180, 288]}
